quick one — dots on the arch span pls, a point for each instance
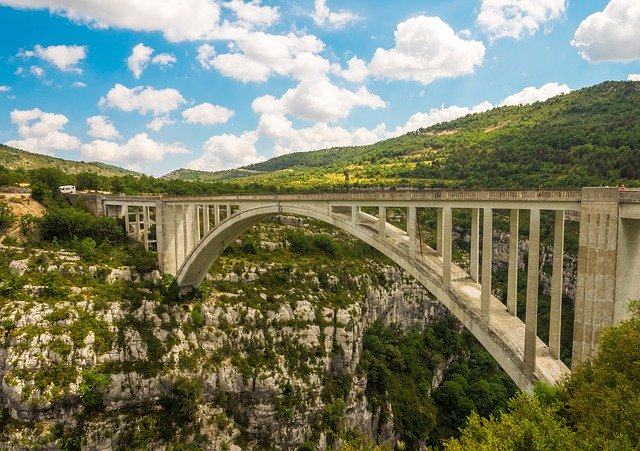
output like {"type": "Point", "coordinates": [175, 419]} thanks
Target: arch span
{"type": "Point", "coordinates": [503, 337]}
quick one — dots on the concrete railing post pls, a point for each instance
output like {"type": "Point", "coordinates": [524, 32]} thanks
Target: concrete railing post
{"type": "Point", "coordinates": [531, 321]}
{"type": "Point", "coordinates": [512, 277]}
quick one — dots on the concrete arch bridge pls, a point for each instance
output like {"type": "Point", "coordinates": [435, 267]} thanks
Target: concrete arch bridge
{"type": "Point", "coordinates": [190, 232]}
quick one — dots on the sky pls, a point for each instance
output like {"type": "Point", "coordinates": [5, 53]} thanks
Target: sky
{"type": "Point", "coordinates": [157, 85]}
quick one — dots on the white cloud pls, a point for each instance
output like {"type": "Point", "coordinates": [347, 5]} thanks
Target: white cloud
{"type": "Point", "coordinates": [357, 70]}
{"type": "Point", "coordinates": [612, 34]}
{"type": "Point", "coordinates": [4, 88]}
{"type": "Point", "coordinates": [324, 17]}
{"type": "Point", "coordinates": [142, 99]}
{"type": "Point", "coordinates": [227, 151]}
{"type": "Point", "coordinates": [319, 101]}
{"type": "Point", "coordinates": [207, 114]}
{"type": "Point", "coordinates": [427, 49]}
{"type": "Point", "coordinates": [101, 127]}
{"type": "Point", "coordinates": [257, 55]}
{"type": "Point", "coordinates": [515, 18]}
{"type": "Point", "coordinates": [633, 77]}
{"type": "Point", "coordinates": [206, 53]}
{"type": "Point", "coordinates": [138, 149]}
{"type": "Point", "coordinates": [178, 20]}
{"type": "Point", "coordinates": [158, 122]}
{"type": "Point", "coordinates": [64, 57]}
{"type": "Point", "coordinates": [253, 13]}
{"type": "Point", "coordinates": [164, 59]}
{"type": "Point", "coordinates": [42, 132]}
{"type": "Point", "coordinates": [438, 115]}
{"type": "Point", "coordinates": [79, 84]}
{"type": "Point", "coordinates": [532, 94]}
{"type": "Point", "coordinates": [288, 139]}
{"type": "Point", "coordinates": [141, 57]}
{"type": "Point", "coordinates": [37, 71]}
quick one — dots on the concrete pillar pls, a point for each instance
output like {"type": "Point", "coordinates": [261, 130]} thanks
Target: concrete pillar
{"type": "Point", "coordinates": [628, 268]}
{"type": "Point", "coordinates": [439, 231]}
{"type": "Point", "coordinates": [382, 221]}
{"type": "Point", "coordinates": [487, 255]}
{"type": "Point", "coordinates": [198, 223]}
{"type": "Point", "coordinates": [531, 321]}
{"type": "Point", "coordinates": [512, 276]}
{"type": "Point", "coordinates": [447, 233]}
{"type": "Point", "coordinates": [165, 216]}
{"type": "Point", "coordinates": [354, 214]}
{"type": "Point", "coordinates": [216, 215]}
{"type": "Point", "coordinates": [597, 270]}
{"type": "Point", "coordinates": [411, 231]}
{"type": "Point", "coordinates": [207, 220]}
{"type": "Point", "coordinates": [229, 211]}
{"type": "Point", "coordinates": [555, 313]}
{"type": "Point", "coordinates": [474, 267]}
{"type": "Point", "coordinates": [180, 227]}
{"type": "Point", "coordinates": [127, 223]}
{"type": "Point", "coordinates": [160, 233]}
{"type": "Point", "coordinates": [146, 226]}
{"type": "Point", "coordinates": [191, 228]}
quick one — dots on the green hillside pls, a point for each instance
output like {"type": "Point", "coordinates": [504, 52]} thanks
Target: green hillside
{"type": "Point", "coordinates": [13, 158]}
{"type": "Point", "coordinates": [587, 137]}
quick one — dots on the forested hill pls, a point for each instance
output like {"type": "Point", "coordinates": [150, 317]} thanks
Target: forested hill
{"type": "Point", "coordinates": [16, 159]}
{"type": "Point", "coordinates": [587, 137]}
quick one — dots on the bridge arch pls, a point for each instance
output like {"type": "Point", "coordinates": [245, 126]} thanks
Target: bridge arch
{"type": "Point", "coordinates": [503, 337]}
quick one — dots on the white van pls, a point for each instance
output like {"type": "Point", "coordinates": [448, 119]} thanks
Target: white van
{"type": "Point", "coordinates": [68, 189]}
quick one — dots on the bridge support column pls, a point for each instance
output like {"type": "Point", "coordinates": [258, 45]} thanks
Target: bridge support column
{"type": "Point", "coordinates": [512, 277]}
{"type": "Point", "coordinates": [597, 270]}
{"type": "Point", "coordinates": [446, 245]}
{"type": "Point", "coordinates": [531, 321]}
{"type": "Point", "coordinates": [216, 215]}
{"type": "Point", "coordinates": [382, 221]}
{"type": "Point", "coordinates": [411, 231]}
{"type": "Point", "coordinates": [487, 255]}
{"type": "Point", "coordinates": [167, 250]}
{"type": "Point", "coordinates": [475, 245]}
{"type": "Point", "coordinates": [207, 220]}
{"type": "Point", "coordinates": [555, 313]}
{"type": "Point", "coordinates": [190, 228]}
{"type": "Point", "coordinates": [228, 211]}
{"type": "Point", "coordinates": [179, 218]}
{"type": "Point", "coordinates": [354, 214]}
{"type": "Point", "coordinates": [439, 230]}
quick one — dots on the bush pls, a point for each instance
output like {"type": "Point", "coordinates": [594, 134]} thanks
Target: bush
{"type": "Point", "coordinates": [299, 242]}
{"type": "Point", "coordinates": [6, 217]}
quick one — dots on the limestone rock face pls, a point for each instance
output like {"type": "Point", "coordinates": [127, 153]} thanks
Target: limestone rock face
{"type": "Point", "coordinates": [260, 359]}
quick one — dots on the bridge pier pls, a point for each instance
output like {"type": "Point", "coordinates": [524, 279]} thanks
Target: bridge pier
{"type": "Point", "coordinates": [487, 255]}
{"type": "Point", "coordinates": [531, 321]}
{"type": "Point", "coordinates": [512, 274]}
{"type": "Point", "coordinates": [555, 313]}
{"type": "Point", "coordinates": [474, 251]}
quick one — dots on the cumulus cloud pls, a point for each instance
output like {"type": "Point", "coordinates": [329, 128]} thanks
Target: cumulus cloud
{"type": "Point", "coordinates": [227, 151]}
{"type": "Point", "coordinates": [142, 99]}
{"type": "Point", "coordinates": [426, 49]}
{"type": "Point", "coordinates": [253, 13]}
{"type": "Point", "coordinates": [356, 70]}
{"type": "Point", "coordinates": [438, 115]}
{"type": "Point", "coordinates": [158, 122]}
{"type": "Point", "coordinates": [205, 56]}
{"type": "Point", "coordinates": [288, 139]}
{"type": "Point", "coordinates": [178, 20]}
{"type": "Point", "coordinates": [612, 34]}
{"type": "Point", "coordinates": [207, 114]}
{"type": "Point", "coordinates": [532, 94]}
{"type": "Point", "coordinates": [4, 88]}
{"type": "Point", "coordinates": [37, 71]}
{"type": "Point", "coordinates": [515, 18]}
{"type": "Point", "coordinates": [324, 17]}
{"type": "Point", "coordinates": [319, 101]}
{"type": "Point", "coordinates": [64, 57]}
{"type": "Point", "coordinates": [257, 55]}
{"type": "Point", "coordinates": [101, 127]}
{"type": "Point", "coordinates": [42, 132]}
{"type": "Point", "coordinates": [633, 77]}
{"type": "Point", "coordinates": [139, 149]}
{"type": "Point", "coordinates": [79, 84]}
{"type": "Point", "coordinates": [141, 57]}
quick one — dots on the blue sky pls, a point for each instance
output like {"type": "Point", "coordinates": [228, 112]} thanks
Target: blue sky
{"type": "Point", "coordinates": [155, 85]}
